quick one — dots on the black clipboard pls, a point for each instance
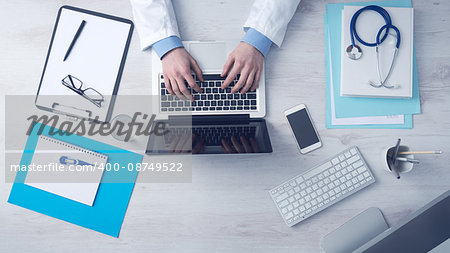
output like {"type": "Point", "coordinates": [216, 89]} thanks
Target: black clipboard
{"type": "Point", "coordinates": [71, 111]}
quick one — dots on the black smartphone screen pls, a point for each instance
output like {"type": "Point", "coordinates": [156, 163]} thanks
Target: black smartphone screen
{"type": "Point", "coordinates": [303, 128]}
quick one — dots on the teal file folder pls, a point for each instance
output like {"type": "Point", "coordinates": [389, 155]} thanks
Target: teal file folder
{"type": "Point", "coordinates": [107, 213]}
{"type": "Point", "coordinates": [408, 119]}
{"type": "Point", "coordinates": [355, 106]}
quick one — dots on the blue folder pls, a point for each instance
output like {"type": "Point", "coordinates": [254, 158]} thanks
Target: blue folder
{"type": "Point", "coordinates": [355, 106]}
{"type": "Point", "coordinates": [408, 119]}
{"type": "Point", "coordinates": [107, 213]}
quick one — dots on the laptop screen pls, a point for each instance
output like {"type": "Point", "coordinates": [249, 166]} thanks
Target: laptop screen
{"type": "Point", "coordinates": [211, 137]}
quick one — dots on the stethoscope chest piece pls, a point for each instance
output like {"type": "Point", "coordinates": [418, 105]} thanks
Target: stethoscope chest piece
{"type": "Point", "coordinates": [354, 52]}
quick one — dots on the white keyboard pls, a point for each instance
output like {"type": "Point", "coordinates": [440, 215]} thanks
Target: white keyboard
{"type": "Point", "coordinates": [322, 186]}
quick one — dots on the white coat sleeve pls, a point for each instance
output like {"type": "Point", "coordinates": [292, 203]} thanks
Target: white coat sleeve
{"type": "Point", "coordinates": [271, 17]}
{"type": "Point", "coordinates": [154, 20]}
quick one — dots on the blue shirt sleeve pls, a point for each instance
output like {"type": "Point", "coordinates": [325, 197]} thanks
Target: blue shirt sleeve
{"type": "Point", "coordinates": [165, 45]}
{"type": "Point", "coordinates": [258, 40]}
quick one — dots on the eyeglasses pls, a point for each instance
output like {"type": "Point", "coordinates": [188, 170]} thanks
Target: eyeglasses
{"type": "Point", "coordinates": [91, 94]}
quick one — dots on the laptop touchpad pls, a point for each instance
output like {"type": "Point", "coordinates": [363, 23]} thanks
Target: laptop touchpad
{"type": "Point", "coordinates": [209, 56]}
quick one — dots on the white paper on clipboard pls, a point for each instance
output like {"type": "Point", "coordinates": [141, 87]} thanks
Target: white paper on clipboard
{"type": "Point", "coordinates": [96, 59]}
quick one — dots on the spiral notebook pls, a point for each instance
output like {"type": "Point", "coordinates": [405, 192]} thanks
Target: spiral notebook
{"type": "Point", "coordinates": [66, 170]}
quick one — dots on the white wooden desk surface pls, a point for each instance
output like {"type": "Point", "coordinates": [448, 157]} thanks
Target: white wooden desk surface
{"type": "Point", "coordinates": [227, 208]}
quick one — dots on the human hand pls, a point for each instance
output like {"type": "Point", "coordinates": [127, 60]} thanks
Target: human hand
{"type": "Point", "coordinates": [177, 65]}
{"type": "Point", "coordinates": [187, 143]}
{"type": "Point", "coordinates": [247, 61]}
{"type": "Point", "coordinates": [249, 145]}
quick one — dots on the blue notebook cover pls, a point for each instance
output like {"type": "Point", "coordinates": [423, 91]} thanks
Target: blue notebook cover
{"type": "Point", "coordinates": [107, 213]}
{"type": "Point", "coordinates": [359, 107]}
{"type": "Point", "coordinates": [408, 119]}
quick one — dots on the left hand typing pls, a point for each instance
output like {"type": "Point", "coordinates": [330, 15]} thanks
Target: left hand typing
{"type": "Point", "coordinates": [247, 61]}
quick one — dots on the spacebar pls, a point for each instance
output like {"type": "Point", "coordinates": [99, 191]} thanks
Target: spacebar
{"type": "Point", "coordinates": [317, 170]}
{"type": "Point", "coordinates": [212, 77]}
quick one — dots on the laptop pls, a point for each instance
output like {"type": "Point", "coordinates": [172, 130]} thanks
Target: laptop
{"type": "Point", "coordinates": [217, 120]}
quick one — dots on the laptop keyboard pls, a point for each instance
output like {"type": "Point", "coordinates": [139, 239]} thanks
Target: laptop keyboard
{"type": "Point", "coordinates": [213, 98]}
{"type": "Point", "coordinates": [212, 136]}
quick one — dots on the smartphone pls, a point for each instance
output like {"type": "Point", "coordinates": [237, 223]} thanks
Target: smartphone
{"type": "Point", "coordinates": [303, 128]}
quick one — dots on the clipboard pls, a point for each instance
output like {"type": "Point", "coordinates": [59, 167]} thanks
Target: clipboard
{"type": "Point", "coordinates": [96, 62]}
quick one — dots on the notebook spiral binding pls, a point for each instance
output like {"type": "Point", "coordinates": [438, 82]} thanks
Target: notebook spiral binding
{"type": "Point", "coordinates": [72, 146]}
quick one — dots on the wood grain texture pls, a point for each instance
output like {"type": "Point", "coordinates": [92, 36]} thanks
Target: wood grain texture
{"type": "Point", "coordinates": [227, 208]}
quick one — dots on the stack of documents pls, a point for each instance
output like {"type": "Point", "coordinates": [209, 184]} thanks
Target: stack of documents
{"type": "Point", "coordinates": [361, 112]}
{"type": "Point", "coordinates": [356, 73]}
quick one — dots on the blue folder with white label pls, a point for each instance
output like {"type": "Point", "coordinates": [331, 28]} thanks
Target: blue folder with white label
{"type": "Point", "coordinates": [107, 211]}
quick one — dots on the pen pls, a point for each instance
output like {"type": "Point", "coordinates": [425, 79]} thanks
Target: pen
{"type": "Point", "coordinates": [75, 39]}
{"type": "Point", "coordinates": [394, 160]}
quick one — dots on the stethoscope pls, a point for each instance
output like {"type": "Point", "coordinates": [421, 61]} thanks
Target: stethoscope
{"type": "Point", "coordinates": [354, 52]}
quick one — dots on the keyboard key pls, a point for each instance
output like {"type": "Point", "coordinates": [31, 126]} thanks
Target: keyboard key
{"type": "Point", "coordinates": [212, 77]}
{"type": "Point", "coordinates": [317, 170]}
{"type": "Point", "coordinates": [281, 197]}
{"type": "Point", "coordinates": [353, 159]}
{"type": "Point", "coordinates": [335, 161]}
{"type": "Point", "coordinates": [361, 169]}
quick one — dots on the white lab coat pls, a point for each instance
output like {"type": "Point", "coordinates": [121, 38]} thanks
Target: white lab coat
{"type": "Point", "coordinates": [155, 19]}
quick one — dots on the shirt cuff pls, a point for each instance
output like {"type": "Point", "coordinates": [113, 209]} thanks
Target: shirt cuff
{"type": "Point", "coordinates": [258, 40]}
{"type": "Point", "coordinates": [165, 45]}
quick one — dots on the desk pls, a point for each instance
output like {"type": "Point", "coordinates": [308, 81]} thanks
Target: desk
{"type": "Point", "coordinates": [227, 207]}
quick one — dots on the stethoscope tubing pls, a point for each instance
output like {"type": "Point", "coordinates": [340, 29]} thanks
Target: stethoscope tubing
{"type": "Point", "coordinates": [354, 33]}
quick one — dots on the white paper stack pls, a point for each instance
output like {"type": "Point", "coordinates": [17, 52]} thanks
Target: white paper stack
{"type": "Point", "coordinates": [355, 74]}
